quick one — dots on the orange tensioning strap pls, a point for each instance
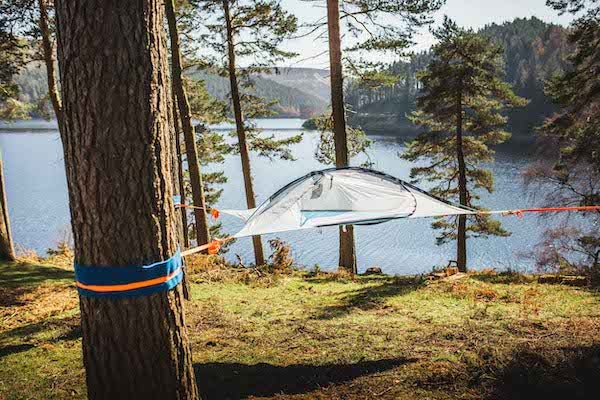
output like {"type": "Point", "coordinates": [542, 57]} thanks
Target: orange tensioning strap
{"type": "Point", "coordinates": [128, 286]}
{"type": "Point", "coordinates": [551, 209]}
{"type": "Point", "coordinates": [545, 209]}
{"type": "Point", "coordinates": [213, 247]}
{"type": "Point", "coordinates": [213, 211]}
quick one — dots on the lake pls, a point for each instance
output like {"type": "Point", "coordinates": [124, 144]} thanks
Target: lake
{"type": "Point", "coordinates": [38, 204]}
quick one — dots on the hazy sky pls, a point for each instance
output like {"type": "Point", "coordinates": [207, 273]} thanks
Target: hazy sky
{"type": "Point", "coordinates": [467, 13]}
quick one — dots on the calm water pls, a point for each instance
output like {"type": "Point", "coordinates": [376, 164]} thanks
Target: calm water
{"type": "Point", "coordinates": [38, 204]}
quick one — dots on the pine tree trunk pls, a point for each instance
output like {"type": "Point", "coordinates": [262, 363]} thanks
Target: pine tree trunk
{"type": "Point", "coordinates": [117, 152]}
{"type": "Point", "coordinates": [202, 231]}
{"type": "Point", "coordinates": [180, 178]}
{"type": "Point", "coordinates": [241, 133]}
{"type": "Point", "coordinates": [49, 60]}
{"type": "Point", "coordinates": [7, 251]}
{"type": "Point", "coordinates": [347, 259]}
{"type": "Point", "coordinates": [182, 233]}
{"type": "Point", "coordinates": [461, 242]}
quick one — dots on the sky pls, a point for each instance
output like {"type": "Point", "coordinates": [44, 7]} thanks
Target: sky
{"type": "Point", "coordinates": [467, 13]}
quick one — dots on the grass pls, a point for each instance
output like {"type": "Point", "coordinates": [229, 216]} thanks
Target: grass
{"type": "Point", "coordinates": [329, 336]}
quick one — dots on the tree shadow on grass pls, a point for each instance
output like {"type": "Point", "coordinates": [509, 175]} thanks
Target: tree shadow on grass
{"type": "Point", "coordinates": [366, 298]}
{"type": "Point", "coordinates": [562, 373]}
{"type": "Point", "coordinates": [237, 381]}
{"type": "Point", "coordinates": [67, 328]}
{"type": "Point", "coordinates": [27, 274]}
{"type": "Point", "coordinates": [15, 348]}
{"type": "Point", "coordinates": [19, 279]}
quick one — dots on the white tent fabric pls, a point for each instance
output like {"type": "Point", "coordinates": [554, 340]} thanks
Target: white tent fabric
{"type": "Point", "coordinates": [341, 196]}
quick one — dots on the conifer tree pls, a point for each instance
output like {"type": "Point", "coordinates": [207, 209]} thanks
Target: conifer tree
{"type": "Point", "coordinates": [369, 23]}
{"type": "Point", "coordinates": [347, 259]}
{"type": "Point", "coordinates": [189, 134]}
{"type": "Point", "coordinates": [118, 164]}
{"type": "Point", "coordinates": [460, 107]}
{"type": "Point", "coordinates": [251, 31]}
{"type": "Point", "coordinates": [211, 146]}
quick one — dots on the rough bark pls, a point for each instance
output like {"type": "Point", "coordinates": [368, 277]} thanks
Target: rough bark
{"type": "Point", "coordinates": [347, 259]}
{"type": "Point", "coordinates": [189, 134]}
{"type": "Point", "coordinates": [117, 152]}
{"type": "Point", "coordinates": [461, 242]}
{"type": "Point", "coordinates": [7, 251]}
{"type": "Point", "coordinates": [49, 60]}
{"type": "Point", "coordinates": [259, 256]}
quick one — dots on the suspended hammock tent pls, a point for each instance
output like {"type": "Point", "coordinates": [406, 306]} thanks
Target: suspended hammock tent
{"type": "Point", "coordinates": [347, 196]}
{"type": "Point", "coordinates": [342, 196]}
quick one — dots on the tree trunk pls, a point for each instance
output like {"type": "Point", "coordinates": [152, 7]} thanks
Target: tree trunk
{"type": "Point", "coordinates": [347, 259]}
{"type": "Point", "coordinates": [117, 152]}
{"type": "Point", "coordinates": [180, 178]}
{"type": "Point", "coordinates": [202, 231]}
{"type": "Point", "coordinates": [178, 189]}
{"type": "Point", "coordinates": [7, 251]}
{"type": "Point", "coordinates": [48, 51]}
{"type": "Point", "coordinates": [241, 133]}
{"type": "Point", "coordinates": [461, 242]}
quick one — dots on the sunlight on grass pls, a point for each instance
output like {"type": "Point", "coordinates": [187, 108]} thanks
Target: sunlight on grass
{"type": "Point", "coordinates": [309, 335]}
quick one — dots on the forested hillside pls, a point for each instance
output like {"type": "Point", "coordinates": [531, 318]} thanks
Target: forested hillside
{"type": "Point", "coordinates": [282, 86]}
{"type": "Point", "coordinates": [308, 80]}
{"type": "Point", "coordinates": [534, 52]}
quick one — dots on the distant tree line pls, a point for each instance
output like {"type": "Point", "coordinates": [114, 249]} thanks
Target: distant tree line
{"type": "Point", "coordinates": [533, 52]}
{"type": "Point", "coordinates": [291, 102]}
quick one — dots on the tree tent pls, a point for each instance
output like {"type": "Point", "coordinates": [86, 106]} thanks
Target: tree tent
{"type": "Point", "coordinates": [347, 196]}
{"type": "Point", "coordinates": [341, 196]}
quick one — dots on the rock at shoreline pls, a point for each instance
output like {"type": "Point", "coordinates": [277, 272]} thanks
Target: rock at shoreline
{"type": "Point", "coordinates": [373, 271]}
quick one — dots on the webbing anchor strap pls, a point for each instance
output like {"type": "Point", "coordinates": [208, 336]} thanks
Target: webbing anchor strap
{"type": "Point", "coordinates": [131, 281]}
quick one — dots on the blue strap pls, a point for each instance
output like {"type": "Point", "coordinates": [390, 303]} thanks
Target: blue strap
{"type": "Point", "coordinates": [122, 282]}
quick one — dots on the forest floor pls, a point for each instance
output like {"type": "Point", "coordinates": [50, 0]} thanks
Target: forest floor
{"type": "Point", "coordinates": [329, 336]}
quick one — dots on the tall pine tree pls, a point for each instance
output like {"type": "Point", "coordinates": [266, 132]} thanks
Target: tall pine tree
{"type": "Point", "coordinates": [249, 31]}
{"type": "Point", "coordinates": [347, 259]}
{"type": "Point", "coordinates": [117, 154]}
{"type": "Point", "coordinates": [463, 95]}
{"type": "Point", "coordinates": [206, 110]}
{"type": "Point", "coordinates": [375, 25]}
{"type": "Point", "coordinates": [183, 111]}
